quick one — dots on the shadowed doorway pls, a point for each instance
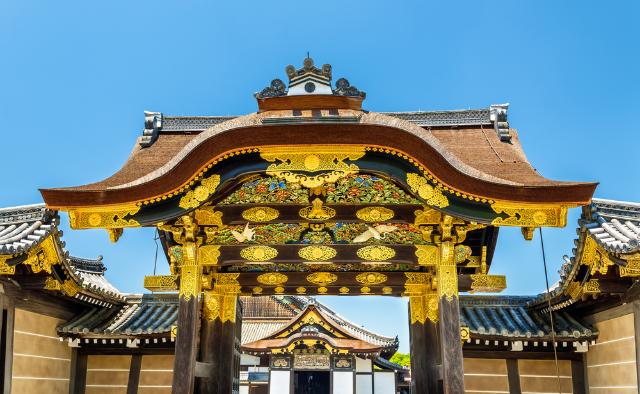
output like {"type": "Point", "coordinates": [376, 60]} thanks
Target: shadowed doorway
{"type": "Point", "coordinates": [312, 382]}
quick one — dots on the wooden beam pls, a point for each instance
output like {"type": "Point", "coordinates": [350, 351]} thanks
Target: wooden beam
{"type": "Point", "coordinates": [450, 346]}
{"type": "Point", "coordinates": [41, 302]}
{"type": "Point", "coordinates": [514, 376]}
{"type": "Point", "coordinates": [78, 372]}
{"type": "Point", "coordinates": [507, 354]}
{"type": "Point", "coordinates": [134, 374]}
{"type": "Point", "coordinates": [8, 317]}
{"type": "Point", "coordinates": [184, 363]}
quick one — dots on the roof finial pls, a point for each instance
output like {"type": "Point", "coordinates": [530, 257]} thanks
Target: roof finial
{"type": "Point", "coordinates": [308, 55]}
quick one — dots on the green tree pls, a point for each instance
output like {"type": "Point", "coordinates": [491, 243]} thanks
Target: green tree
{"type": "Point", "coordinates": [401, 359]}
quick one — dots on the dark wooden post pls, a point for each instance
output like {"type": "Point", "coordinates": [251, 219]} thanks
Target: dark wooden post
{"type": "Point", "coordinates": [513, 374]}
{"type": "Point", "coordinates": [184, 364]}
{"type": "Point", "coordinates": [449, 310]}
{"type": "Point", "coordinates": [220, 344]}
{"type": "Point", "coordinates": [134, 374]}
{"type": "Point", "coordinates": [451, 347]}
{"type": "Point", "coordinates": [78, 372]}
{"type": "Point", "coordinates": [425, 357]}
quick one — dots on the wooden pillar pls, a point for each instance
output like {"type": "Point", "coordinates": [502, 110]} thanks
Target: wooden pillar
{"type": "Point", "coordinates": [186, 349]}
{"type": "Point", "coordinates": [134, 374]}
{"type": "Point", "coordinates": [78, 372]}
{"type": "Point", "coordinates": [577, 376]}
{"type": "Point", "coordinates": [513, 374]}
{"type": "Point", "coordinates": [425, 349]}
{"type": "Point", "coordinates": [219, 344]}
{"type": "Point", "coordinates": [449, 323]}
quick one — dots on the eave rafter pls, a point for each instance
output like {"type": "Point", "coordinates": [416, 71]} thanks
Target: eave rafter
{"type": "Point", "coordinates": [312, 167]}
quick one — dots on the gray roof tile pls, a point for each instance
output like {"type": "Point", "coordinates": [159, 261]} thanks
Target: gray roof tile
{"type": "Point", "coordinates": [23, 227]}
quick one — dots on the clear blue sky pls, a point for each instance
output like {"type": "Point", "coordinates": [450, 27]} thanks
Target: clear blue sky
{"type": "Point", "coordinates": [75, 78]}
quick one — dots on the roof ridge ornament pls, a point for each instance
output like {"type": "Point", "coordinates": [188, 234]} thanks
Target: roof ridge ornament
{"type": "Point", "coordinates": [309, 80]}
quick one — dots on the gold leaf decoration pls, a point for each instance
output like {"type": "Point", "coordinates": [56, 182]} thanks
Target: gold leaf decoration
{"type": "Point", "coordinates": [524, 215]}
{"type": "Point", "coordinates": [427, 254]}
{"type": "Point", "coordinates": [317, 211]}
{"type": "Point", "coordinates": [272, 278]}
{"type": "Point", "coordinates": [488, 283]}
{"type": "Point", "coordinates": [70, 288]}
{"type": "Point", "coordinates": [293, 163]}
{"type": "Point", "coordinates": [161, 282]}
{"type": "Point", "coordinates": [374, 214]}
{"type": "Point", "coordinates": [110, 216]}
{"type": "Point", "coordinates": [365, 290]}
{"type": "Point", "coordinates": [343, 290]}
{"type": "Point", "coordinates": [322, 278]}
{"type": "Point", "coordinates": [258, 253]}
{"type": "Point", "coordinates": [322, 290]}
{"type": "Point", "coordinates": [371, 278]}
{"type": "Point", "coordinates": [260, 214]}
{"type": "Point", "coordinates": [376, 253]}
{"type": "Point", "coordinates": [189, 281]}
{"type": "Point", "coordinates": [208, 255]}
{"type": "Point", "coordinates": [195, 197]}
{"type": "Point", "coordinates": [432, 195]}
{"type": "Point", "coordinates": [317, 253]}
{"type": "Point", "coordinates": [301, 290]}
{"type": "Point", "coordinates": [51, 284]}
{"type": "Point", "coordinates": [279, 290]}
{"type": "Point", "coordinates": [257, 290]}
{"type": "Point", "coordinates": [387, 290]}
{"type": "Point", "coordinates": [6, 269]}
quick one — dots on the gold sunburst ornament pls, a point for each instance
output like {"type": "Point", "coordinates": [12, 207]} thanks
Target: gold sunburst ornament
{"type": "Point", "coordinates": [371, 278]}
{"type": "Point", "coordinates": [272, 278]}
{"type": "Point", "coordinates": [317, 253]}
{"type": "Point", "coordinates": [374, 214]}
{"type": "Point", "coordinates": [258, 253]}
{"type": "Point", "coordinates": [376, 253]}
{"type": "Point", "coordinates": [322, 278]}
{"type": "Point", "coordinates": [260, 214]}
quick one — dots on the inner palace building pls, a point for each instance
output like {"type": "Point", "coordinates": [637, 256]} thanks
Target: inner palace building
{"type": "Point", "coordinates": [261, 215]}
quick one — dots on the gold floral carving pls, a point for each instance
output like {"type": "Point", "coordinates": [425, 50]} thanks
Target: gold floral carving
{"type": "Point", "coordinates": [272, 279]}
{"type": "Point", "coordinates": [632, 268]}
{"type": "Point", "coordinates": [208, 255]}
{"type": "Point", "coordinates": [376, 253]}
{"type": "Point", "coordinates": [322, 290]}
{"type": "Point", "coordinates": [207, 216]}
{"type": "Point", "coordinates": [294, 163]}
{"type": "Point", "coordinates": [195, 197]}
{"type": "Point", "coordinates": [43, 257]}
{"type": "Point", "coordinates": [465, 333]}
{"type": "Point", "coordinates": [343, 290]}
{"type": "Point", "coordinates": [258, 253]}
{"type": "Point", "coordinates": [387, 290]}
{"type": "Point", "coordinates": [110, 216]}
{"type": "Point", "coordinates": [257, 290]}
{"type": "Point", "coordinates": [211, 305]}
{"type": "Point", "coordinates": [371, 278]}
{"type": "Point", "coordinates": [301, 290]}
{"type": "Point", "coordinates": [523, 215]}
{"type": "Point", "coordinates": [365, 290]}
{"type": "Point", "coordinates": [427, 254]}
{"type": "Point", "coordinates": [317, 211]}
{"type": "Point", "coordinates": [220, 302]}
{"type": "Point", "coordinates": [317, 253]}
{"type": "Point", "coordinates": [424, 307]}
{"type": "Point", "coordinates": [174, 332]}
{"type": "Point", "coordinates": [595, 257]}
{"type": "Point", "coordinates": [189, 281]}
{"type": "Point", "coordinates": [484, 283]}
{"type": "Point", "coordinates": [70, 288]}
{"type": "Point", "coordinates": [322, 278]}
{"type": "Point", "coordinates": [592, 286]}
{"type": "Point", "coordinates": [279, 290]}
{"type": "Point", "coordinates": [260, 214]}
{"type": "Point", "coordinates": [447, 275]}
{"type": "Point", "coordinates": [374, 214]}
{"type": "Point", "coordinates": [52, 284]}
{"type": "Point", "coordinates": [6, 269]}
{"type": "Point", "coordinates": [433, 196]}
{"type": "Point", "coordinates": [161, 282]}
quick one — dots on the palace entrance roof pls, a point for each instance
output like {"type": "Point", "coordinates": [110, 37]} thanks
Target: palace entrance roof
{"type": "Point", "coordinates": [470, 152]}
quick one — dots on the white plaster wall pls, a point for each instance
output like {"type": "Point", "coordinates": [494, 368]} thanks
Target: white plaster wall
{"type": "Point", "coordinates": [343, 382]}
{"type": "Point", "coordinates": [244, 389]}
{"type": "Point", "coordinates": [364, 384]}
{"type": "Point", "coordinates": [247, 359]}
{"type": "Point", "coordinates": [280, 382]}
{"type": "Point", "coordinates": [363, 365]}
{"type": "Point", "coordinates": [384, 383]}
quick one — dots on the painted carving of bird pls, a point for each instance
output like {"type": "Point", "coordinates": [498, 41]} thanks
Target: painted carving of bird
{"type": "Point", "coordinates": [246, 235]}
{"type": "Point", "coordinates": [377, 232]}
